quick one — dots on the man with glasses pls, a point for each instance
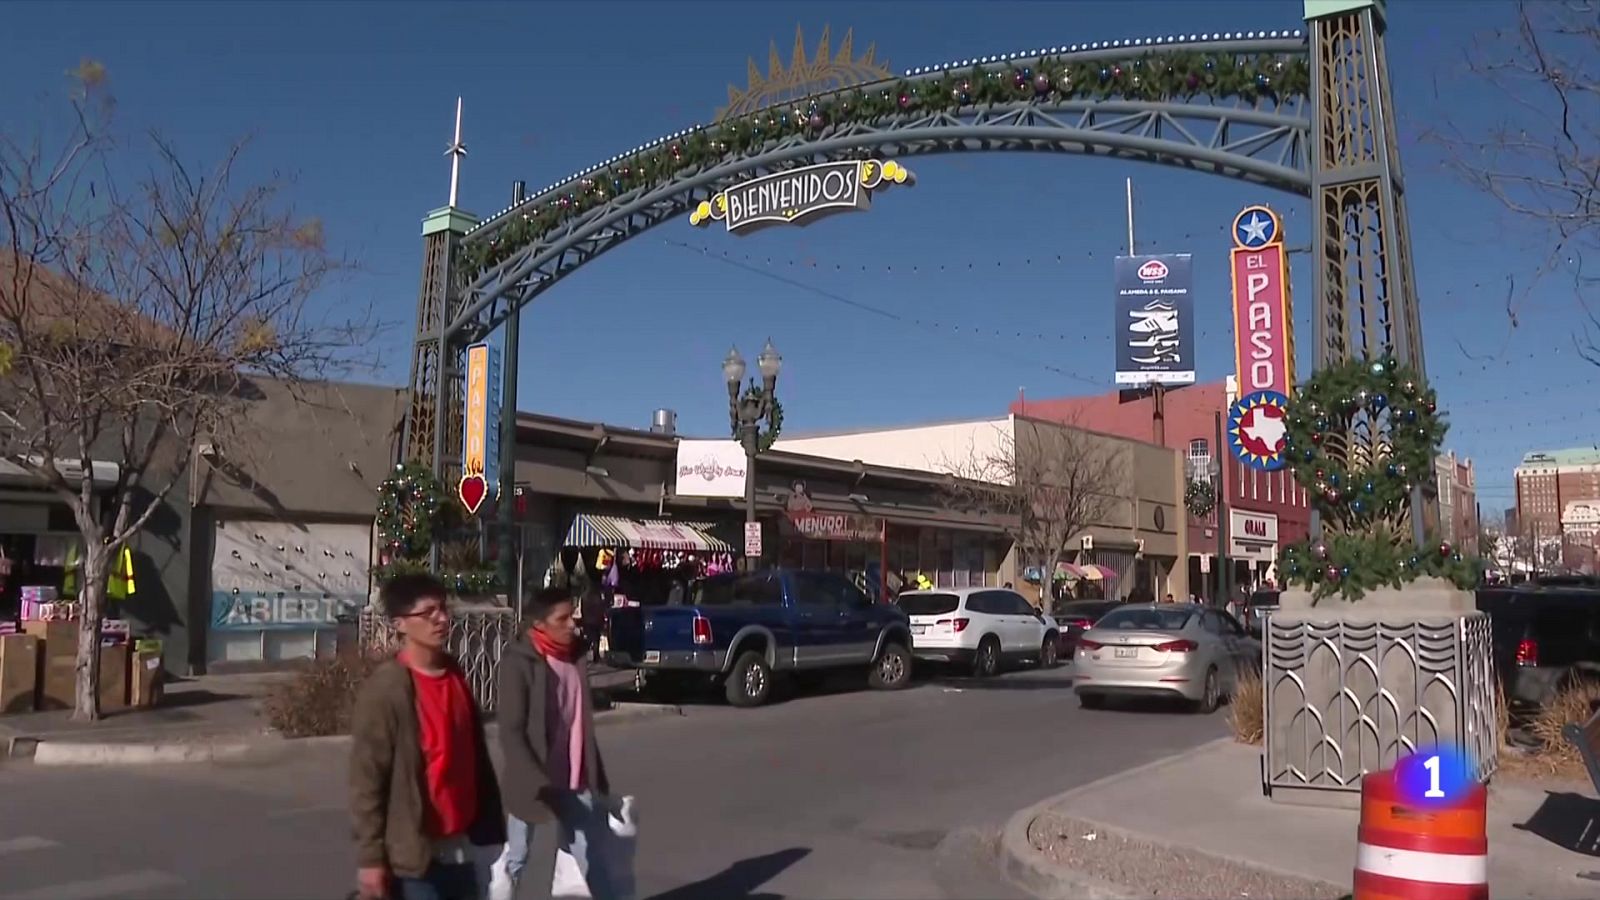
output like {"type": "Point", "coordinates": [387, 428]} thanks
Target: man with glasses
{"type": "Point", "coordinates": [423, 793]}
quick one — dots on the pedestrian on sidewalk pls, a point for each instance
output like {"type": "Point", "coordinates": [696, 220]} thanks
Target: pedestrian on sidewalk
{"type": "Point", "coordinates": [555, 782]}
{"type": "Point", "coordinates": [423, 794]}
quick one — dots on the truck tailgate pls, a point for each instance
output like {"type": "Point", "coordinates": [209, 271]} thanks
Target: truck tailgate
{"type": "Point", "coordinates": [636, 631]}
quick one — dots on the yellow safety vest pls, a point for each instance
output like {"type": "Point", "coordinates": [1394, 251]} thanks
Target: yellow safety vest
{"type": "Point", "coordinates": [120, 586]}
{"type": "Point", "coordinates": [69, 579]}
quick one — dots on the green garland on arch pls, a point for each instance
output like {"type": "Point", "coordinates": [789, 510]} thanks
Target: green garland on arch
{"type": "Point", "coordinates": [1052, 80]}
{"type": "Point", "coordinates": [1361, 436]}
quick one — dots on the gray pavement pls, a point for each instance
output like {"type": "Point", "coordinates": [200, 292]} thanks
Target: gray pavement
{"type": "Point", "coordinates": [1200, 818]}
{"type": "Point", "coordinates": [845, 794]}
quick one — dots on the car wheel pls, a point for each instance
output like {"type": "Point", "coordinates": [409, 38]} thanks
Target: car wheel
{"type": "Point", "coordinates": [1210, 694]}
{"type": "Point", "coordinates": [1049, 652]}
{"type": "Point", "coordinates": [892, 671]}
{"type": "Point", "coordinates": [987, 663]}
{"type": "Point", "coordinates": [1091, 701]}
{"type": "Point", "coordinates": [750, 682]}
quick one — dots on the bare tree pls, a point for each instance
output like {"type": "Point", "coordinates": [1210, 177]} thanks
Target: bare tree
{"type": "Point", "coordinates": [132, 321]}
{"type": "Point", "coordinates": [1049, 481]}
{"type": "Point", "coordinates": [1541, 157]}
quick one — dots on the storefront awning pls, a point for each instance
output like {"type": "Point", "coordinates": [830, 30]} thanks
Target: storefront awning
{"type": "Point", "coordinates": [643, 534]}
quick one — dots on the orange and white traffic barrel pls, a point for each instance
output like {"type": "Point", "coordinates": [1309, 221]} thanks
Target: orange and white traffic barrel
{"type": "Point", "coordinates": [1407, 851]}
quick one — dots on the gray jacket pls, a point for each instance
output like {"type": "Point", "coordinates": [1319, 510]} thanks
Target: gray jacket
{"type": "Point", "coordinates": [527, 689]}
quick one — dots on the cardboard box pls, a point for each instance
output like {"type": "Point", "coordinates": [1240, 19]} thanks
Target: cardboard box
{"type": "Point", "coordinates": [19, 673]}
{"type": "Point", "coordinates": [144, 678]}
{"type": "Point", "coordinates": [113, 677]}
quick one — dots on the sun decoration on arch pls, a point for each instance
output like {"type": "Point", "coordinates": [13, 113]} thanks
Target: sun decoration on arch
{"type": "Point", "coordinates": [804, 76]}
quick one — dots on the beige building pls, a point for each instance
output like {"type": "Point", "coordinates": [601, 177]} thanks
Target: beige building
{"type": "Point", "coordinates": [1140, 535]}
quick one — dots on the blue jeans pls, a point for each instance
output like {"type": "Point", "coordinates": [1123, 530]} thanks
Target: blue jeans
{"type": "Point", "coordinates": [443, 881]}
{"type": "Point", "coordinates": [585, 834]}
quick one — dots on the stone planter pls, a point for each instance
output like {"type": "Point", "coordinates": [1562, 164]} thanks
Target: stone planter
{"type": "Point", "coordinates": [1351, 688]}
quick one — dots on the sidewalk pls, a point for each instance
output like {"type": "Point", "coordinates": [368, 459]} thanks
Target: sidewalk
{"type": "Point", "coordinates": [209, 718]}
{"type": "Point", "coordinates": [1197, 825]}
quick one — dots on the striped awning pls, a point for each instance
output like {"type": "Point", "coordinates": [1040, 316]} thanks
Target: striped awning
{"type": "Point", "coordinates": [643, 534]}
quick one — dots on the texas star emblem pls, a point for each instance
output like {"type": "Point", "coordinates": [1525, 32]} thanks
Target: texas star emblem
{"type": "Point", "coordinates": [1256, 432]}
{"type": "Point", "coordinates": [1255, 227]}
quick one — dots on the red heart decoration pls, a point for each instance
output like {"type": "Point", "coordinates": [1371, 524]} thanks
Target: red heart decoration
{"type": "Point", "coordinates": [474, 490]}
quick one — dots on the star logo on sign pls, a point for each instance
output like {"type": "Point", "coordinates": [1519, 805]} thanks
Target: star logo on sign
{"type": "Point", "coordinates": [1255, 226]}
{"type": "Point", "coordinates": [1255, 230]}
{"type": "Point", "coordinates": [1257, 434]}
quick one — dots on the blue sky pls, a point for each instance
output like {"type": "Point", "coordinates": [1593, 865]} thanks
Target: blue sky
{"type": "Point", "coordinates": [999, 266]}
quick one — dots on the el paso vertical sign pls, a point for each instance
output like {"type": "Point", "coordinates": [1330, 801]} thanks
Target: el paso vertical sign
{"type": "Point", "coordinates": [1262, 320]}
{"type": "Point", "coordinates": [480, 439]}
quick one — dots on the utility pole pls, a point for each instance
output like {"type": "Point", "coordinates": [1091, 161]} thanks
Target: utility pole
{"type": "Point", "coordinates": [1222, 517]}
{"type": "Point", "coordinates": [508, 546]}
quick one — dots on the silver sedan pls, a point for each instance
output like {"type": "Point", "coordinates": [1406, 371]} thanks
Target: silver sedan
{"type": "Point", "coordinates": [1163, 650]}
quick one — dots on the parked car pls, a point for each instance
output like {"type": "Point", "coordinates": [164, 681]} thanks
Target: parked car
{"type": "Point", "coordinates": [1544, 634]}
{"type": "Point", "coordinates": [1179, 650]}
{"type": "Point", "coordinates": [981, 628]}
{"type": "Point", "coordinates": [739, 630]}
{"type": "Point", "coordinates": [1076, 617]}
{"type": "Point", "coordinates": [1256, 609]}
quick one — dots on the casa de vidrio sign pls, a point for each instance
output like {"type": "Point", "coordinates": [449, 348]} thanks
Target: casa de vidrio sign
{"type": "Point", "coordinates": [800, 196]}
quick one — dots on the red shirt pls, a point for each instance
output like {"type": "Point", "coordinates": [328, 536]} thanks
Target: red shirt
{"type": "Point", "coordinates": [449, 751]}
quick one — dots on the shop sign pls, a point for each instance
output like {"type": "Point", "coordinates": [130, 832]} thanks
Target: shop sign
{"type": "Point", "coordinates": [1252, 534]}
{"type": "Point", "coordinates": [1154, 319]}
{"type": "Point", "coordinates": [800, 196]}
{"type": "Point", "coordinates": [1263, 323]}
{"type": "Point", "coordinates": [710, 469]}
{"type": "Point", "coordinates": [480, 438]}
{"type": "Point", "coordinates": [822, 526]}
{"type": "Point", "coordinates": [279, 610]}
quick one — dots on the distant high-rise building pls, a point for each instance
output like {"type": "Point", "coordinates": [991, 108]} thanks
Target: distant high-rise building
{"type": "Point", "coordinates": [1553, 485]}
{"type": "Point", "coordinates": [1458, 500]}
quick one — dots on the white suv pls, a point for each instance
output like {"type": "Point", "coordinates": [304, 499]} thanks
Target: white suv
{"type": "Point", "coordinates": [979, 627]}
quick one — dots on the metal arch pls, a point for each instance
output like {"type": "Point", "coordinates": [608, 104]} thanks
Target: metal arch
{"type": "Point", "coordinates": [1236, 44]}
{"type": "Point", "coordinates": [1270, 148]}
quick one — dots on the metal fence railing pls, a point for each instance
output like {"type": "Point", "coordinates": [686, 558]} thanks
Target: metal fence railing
{"type": "Point", "coordinates": [478, 635]}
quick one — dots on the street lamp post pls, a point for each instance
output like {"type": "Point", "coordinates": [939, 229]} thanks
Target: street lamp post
{"type": "Point", "coordinates": [747, 409]}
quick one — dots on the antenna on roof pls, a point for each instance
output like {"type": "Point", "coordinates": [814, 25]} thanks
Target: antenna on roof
{"type": "Point", "coordinates": [455, 151]}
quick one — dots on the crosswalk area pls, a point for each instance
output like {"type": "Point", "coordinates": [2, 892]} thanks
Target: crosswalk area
{"type": "Point", "coordinates": [44, 868]}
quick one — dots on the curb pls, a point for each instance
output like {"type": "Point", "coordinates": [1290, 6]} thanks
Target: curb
{"type": "Point", "coordinates": [44, 752]}
{"type": "Point", "coordinates": [1041, 876]}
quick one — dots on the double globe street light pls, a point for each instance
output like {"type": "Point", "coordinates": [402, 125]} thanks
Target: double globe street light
{"type": "Point", "coordinates": [748, 409]}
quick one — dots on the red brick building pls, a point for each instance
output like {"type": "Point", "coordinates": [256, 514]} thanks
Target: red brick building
{"type": "Point", "coordinates": [1267, 510]}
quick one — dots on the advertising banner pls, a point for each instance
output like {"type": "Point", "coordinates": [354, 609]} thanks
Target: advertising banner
{"type": "Point", "coordinates": [1154, 319]}
{"type": "Point", "coordinates": [480, 432]}
{"type": "Point", "coordinates": [1263, 322]}
{"type": "Point", "coordinates": [710, 469]}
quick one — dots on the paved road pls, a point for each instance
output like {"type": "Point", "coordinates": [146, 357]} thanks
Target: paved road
{"type": "Point", "coordinates": [832, 795]}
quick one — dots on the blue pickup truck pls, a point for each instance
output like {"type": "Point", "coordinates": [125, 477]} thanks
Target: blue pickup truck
{"type": "Point", "coordinates": [739, 630]}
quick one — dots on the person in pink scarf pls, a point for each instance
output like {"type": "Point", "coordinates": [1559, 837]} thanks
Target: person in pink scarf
{"type": "Point", "coordinates": [553, 776]}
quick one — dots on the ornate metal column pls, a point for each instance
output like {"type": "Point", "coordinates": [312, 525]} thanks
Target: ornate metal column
{"type": "Point", "coordinates": [1365, 293]}
{"type": "Point", "coordinates": [1351, 688]}
{"type": "Point", "coordinates": [435, 371]}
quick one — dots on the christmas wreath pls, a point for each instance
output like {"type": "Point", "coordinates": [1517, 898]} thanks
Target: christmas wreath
{"type": "Point", "coordinates": [1362, 436]}
{"type": "Point", "coordinates": [414, 512]}
{"type": "Point", "coordinates": [1049, 81]}
{"type": "Point", "coordinates": [1200, 498]}
{"type": "Point", "coordinates": [768, 435]}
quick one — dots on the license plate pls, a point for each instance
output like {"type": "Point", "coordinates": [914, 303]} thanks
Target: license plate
{"type": "Point", "coordinates": [652, 656]}
{"type": "Point", "coordinates": [1127, 652]}
{"type": "Point", "coordinates": [918, 629]}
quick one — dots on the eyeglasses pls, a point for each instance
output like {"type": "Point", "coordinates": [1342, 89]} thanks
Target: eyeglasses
{"type": "Point", "coordinates": [432, 612]}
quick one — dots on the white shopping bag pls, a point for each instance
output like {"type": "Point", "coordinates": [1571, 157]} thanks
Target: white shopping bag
{"type": "Point", "coordinates": [568, 881]}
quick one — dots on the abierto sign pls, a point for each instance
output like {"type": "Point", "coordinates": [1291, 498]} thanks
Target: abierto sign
{"type": "Point", "coordinates": [800, 196]}
{"type": "Point", "coordinates": [710, 469]}
{"type": "Point", "coordinates": [1155, 319]}
{"type": "Point", "coordinates": [1263, 320]}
